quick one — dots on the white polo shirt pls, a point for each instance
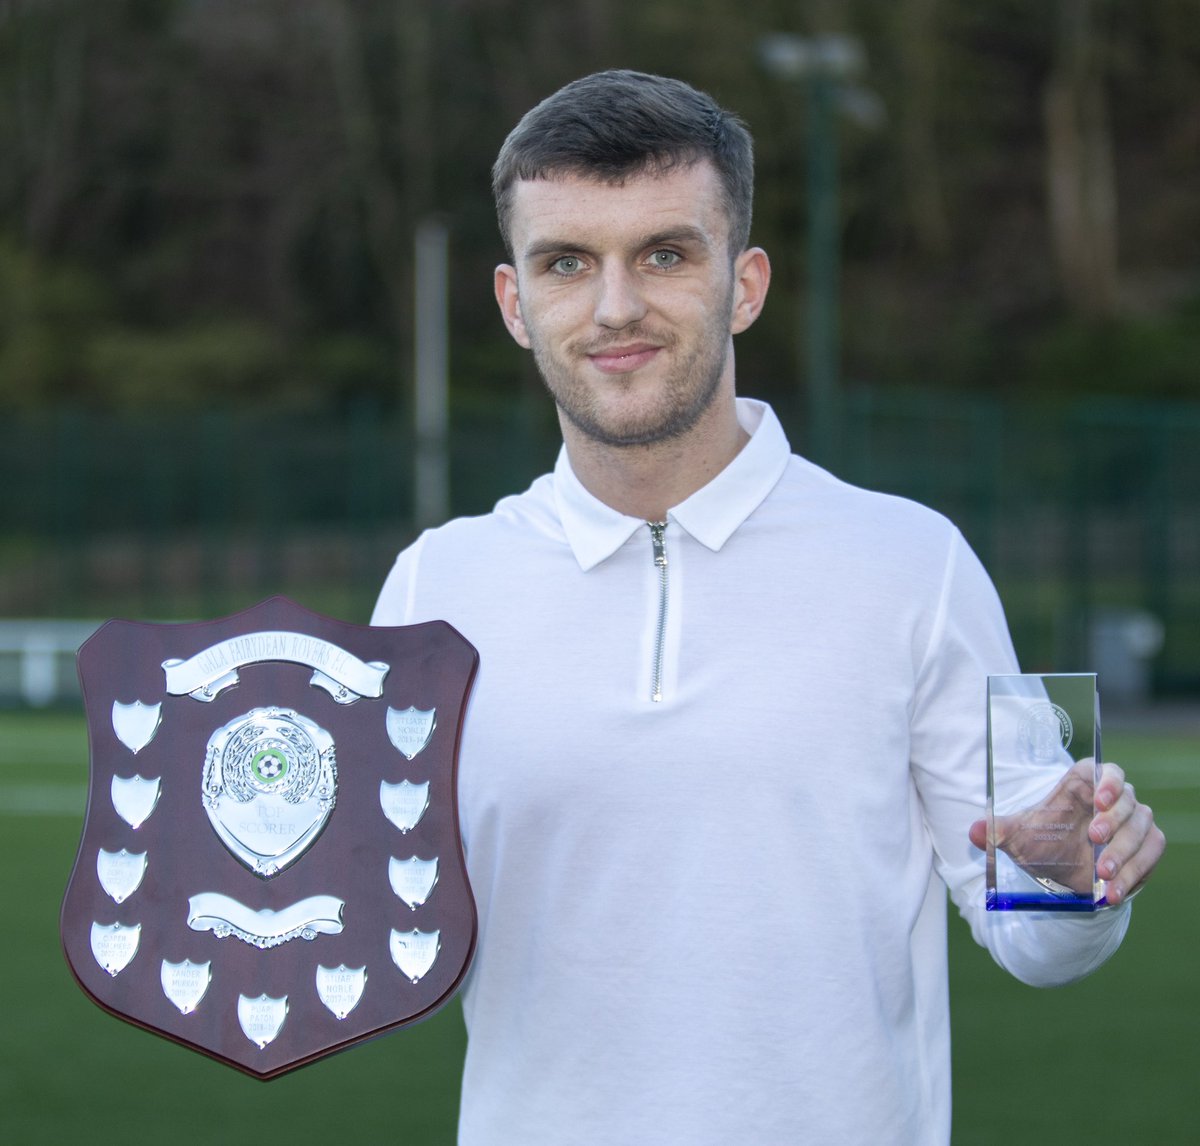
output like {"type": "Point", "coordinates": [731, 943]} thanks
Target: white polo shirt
{"type": "Point", "coordinates": [719, 917]}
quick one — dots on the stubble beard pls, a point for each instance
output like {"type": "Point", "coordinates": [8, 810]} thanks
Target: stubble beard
{"type": "Point", "coordinates": [687, 393]}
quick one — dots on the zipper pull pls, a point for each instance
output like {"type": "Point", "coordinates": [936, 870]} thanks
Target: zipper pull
{"type": "Point", "coordinates": [657, 529]}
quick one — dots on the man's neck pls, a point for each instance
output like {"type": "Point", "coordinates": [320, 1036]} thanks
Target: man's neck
{"type": "Point", "coordinates": [646, 481]}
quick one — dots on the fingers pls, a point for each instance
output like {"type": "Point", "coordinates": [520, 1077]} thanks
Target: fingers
{"type": "Point", "coordinates": [1111, 787]}
{"type": "Point", "coordinates": [1117, 801]}
{"type": "Point", "coordinates": [1134, 842]}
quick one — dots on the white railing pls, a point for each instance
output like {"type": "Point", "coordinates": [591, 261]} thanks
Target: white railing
{"type": "Point", "coordinates": [44, 656]}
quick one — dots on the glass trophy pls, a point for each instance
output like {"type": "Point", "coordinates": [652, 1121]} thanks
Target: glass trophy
{"type": "Point", "coordinates": [1043, 766]}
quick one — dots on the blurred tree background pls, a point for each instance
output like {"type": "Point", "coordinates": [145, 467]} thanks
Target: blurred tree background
{"type": "Point", "coordinates": [208, 201]}
{"type": "Point", "coordinates": [209, 205]}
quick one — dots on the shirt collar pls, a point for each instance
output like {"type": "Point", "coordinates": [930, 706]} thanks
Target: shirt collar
{"type": "Point", "coordinates": [712, 514]}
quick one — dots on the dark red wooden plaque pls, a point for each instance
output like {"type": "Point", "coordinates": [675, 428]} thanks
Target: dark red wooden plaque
{"type": "Point", "coordinates": [271, 868]}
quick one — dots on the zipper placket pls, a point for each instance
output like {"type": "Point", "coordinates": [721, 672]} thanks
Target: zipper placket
{"type": "Point", "coordinates": [657, 531]}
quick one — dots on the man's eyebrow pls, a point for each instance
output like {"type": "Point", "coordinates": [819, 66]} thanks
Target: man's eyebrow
{"type": "Point", "coordinates": [552, 246]}
{"type": "Point", "coordinates": [683, 234]}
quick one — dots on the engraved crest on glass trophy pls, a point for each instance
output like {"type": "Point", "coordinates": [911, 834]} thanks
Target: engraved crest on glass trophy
{"type": "Point", "coordinates": [1043, 765]}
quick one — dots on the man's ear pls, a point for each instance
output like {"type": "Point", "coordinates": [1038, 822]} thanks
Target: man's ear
{"type": "Point", "coordinates": [509, 300]}
{"type": "Point", "coordinates": [752, 277]}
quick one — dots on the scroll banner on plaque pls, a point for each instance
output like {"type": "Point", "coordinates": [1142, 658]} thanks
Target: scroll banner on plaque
{"type": "Point", "coordinates": [271, 868]}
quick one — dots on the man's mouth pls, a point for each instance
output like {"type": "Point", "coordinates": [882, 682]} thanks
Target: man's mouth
{"type": "Point", "coordinates": [623, 359]}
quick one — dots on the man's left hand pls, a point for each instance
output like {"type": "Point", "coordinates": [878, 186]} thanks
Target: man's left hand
{"type": "Point", "coordinates": [1133, 843]}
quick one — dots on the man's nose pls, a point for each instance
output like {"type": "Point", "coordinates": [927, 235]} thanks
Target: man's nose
{"type": "Point", "coordinates": [619, 300]}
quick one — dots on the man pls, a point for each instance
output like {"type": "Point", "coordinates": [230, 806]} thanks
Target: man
{"type": "Point", "coordinates": [726, 743]}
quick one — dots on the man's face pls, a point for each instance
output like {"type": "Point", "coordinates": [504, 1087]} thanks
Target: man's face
{"type": "Point", "coordinates": [628, 297]}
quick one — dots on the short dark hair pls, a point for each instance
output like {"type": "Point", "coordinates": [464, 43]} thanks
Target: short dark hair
{"type": "Point", "coordinates": [611, 125]}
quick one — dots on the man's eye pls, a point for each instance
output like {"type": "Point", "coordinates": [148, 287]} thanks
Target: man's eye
{"type": "Point", "coordinates": [665, 260]}
{"type": "Point", "coordinates": [567, 265]}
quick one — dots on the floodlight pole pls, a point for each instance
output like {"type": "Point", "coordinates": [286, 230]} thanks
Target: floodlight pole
{"type": "Point", "coordinates": [824, 287]}
{"type": "Point", "coordinates": [824, 64]}
{"type": "Point", "coordinates": [431, 374]}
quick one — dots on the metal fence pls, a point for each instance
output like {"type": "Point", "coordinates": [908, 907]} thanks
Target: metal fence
{"type": "Point", "coordinates": [1087, 516]}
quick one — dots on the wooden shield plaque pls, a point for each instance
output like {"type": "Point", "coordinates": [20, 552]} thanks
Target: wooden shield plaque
{"type": "Point", "coordinates": [271, 868]}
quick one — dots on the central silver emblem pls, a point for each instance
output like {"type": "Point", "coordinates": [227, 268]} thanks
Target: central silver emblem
{"type": "Point", "coordinates": [270, 783]}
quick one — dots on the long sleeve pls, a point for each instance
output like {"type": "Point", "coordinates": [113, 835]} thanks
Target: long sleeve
{"type": "Point", "coordinates": [969, 641]}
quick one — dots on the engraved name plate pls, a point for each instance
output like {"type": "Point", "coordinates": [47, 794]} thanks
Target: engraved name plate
{"type": "Point", "coordinates": [340, 988]}
{"type": "Point", "coordinates": [414, 952]}
{"type": "Point", "coordinates": [114, 945]}
{"type": "Point", "coordinates": [410, 729]}
{"type": "Point", "coordinates": [136, 724]}
{"type": "Point", "coordinates": [413, 879]}
{"type": "Point", "coordinates": [404, 803]}
{"type": "Point", "coordinates": [186, 983]}
{"type": "Point", "coordinates": [135, 798]}
{"type": "Point", "coordinates": [261, 1019]}
{"type": "Point", "coordinates": [120, 873]}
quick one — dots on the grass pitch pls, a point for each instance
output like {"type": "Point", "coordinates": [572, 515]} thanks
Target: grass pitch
{"type": "Point", "coordinates": [70, 1073]}
{"type": "Point", "coordinates": [1115, 1057]}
